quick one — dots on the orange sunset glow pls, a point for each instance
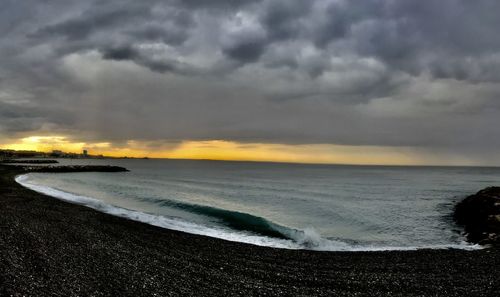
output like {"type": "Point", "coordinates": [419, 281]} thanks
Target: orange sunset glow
{"type": "Point", "coordinates": [236, 151]}
{"type": "Point", "coordinates": [249, 148]}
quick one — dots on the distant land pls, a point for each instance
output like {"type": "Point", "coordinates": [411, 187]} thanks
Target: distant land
{"type": "Point", "coordinates": [16, 154]}
{"type": "Point", "coordinates": [8, 154]}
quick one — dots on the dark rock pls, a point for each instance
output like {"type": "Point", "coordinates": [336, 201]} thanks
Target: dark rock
{"type": "Point", "coordinates": [77, 168]}
{"type": "Point", "coordinates": [480, 216]}
{"type": "Point", "coordinates": [43, 161]}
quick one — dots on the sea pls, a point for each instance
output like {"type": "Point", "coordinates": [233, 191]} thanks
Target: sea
{"type": "Point", "coordinates": [292, 206]}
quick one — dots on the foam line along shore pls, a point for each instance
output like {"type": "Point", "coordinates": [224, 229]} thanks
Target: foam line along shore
{"type": "Point", "coordinates": [49, 245]}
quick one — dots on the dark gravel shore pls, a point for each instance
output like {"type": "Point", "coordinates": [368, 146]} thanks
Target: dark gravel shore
{"type": "Point", "coordinates": [52, 248]}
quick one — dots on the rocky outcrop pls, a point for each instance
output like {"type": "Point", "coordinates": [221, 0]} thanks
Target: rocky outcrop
{"type": "Point", "coordinates": [39, 161]}
{"type": "Point", "coordinates": [81, 168]}
{"type": "Point", "coordinates": [480, 216]}
{"type": "Point", "coordinates": [74, 168]}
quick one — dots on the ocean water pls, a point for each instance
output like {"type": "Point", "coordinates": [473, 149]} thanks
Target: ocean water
{"type": "Point", "coordinates": [320, 207]}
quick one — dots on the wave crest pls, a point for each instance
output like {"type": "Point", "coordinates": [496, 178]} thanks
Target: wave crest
{"type": "Point", "coordinates": [244, 227]}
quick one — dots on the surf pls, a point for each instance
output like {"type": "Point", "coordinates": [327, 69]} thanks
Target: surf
{"type": "Point", "coordinates": [239, 226]}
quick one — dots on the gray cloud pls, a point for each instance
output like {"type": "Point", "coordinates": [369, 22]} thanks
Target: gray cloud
{"type": "Point", "coordinates": [120, 54]}
{"type": "Point", "coordinates": [281, 18]}
{"type": "Point", "coordinates": [377, 72]}
{"type": "Point", "coordinates": [159, 33]}
{"type": "Point", "coordinates": [247, 49]}
{"type": "Point", "coordinates": [92, 22]}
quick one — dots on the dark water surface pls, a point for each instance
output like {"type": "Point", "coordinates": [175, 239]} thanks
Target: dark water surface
{"type": "Point", "coordinates": [322, 207]}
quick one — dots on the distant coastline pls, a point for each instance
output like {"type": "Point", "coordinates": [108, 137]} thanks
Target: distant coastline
{"type": "Point", "coordinates": [7, 154]}
{"type": "Point", "coordinates": [13, 154]}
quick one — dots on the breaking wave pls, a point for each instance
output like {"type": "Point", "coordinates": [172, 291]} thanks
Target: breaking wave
{"type": "Point", "coordinates": [238, 226]}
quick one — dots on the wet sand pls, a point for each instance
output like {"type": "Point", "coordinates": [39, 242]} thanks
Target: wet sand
{"type": "Point", "coordinates": [52, 248]}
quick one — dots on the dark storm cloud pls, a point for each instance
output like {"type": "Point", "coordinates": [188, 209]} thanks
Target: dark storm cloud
{"type": "Point", "coordinates": [371, 72]}
{"type": "Point", "coordinates": [93, 21]}
{"type": "Point", "coordinates": [340, 16]}
{"type": "Point", "coordinates": [19, 119]}
{"type": "Point", "coordinates": [118, 54]}
{"type": "Point", "coordinates": [247, 49]}
{"type": "Point", "coordinates": [406, 35]}
{"type": "Point", "coordinates": [281, 17]}
{"type": "Point", "coordinates": [160, 34]}
{"type": "Point", "coordinates": [216, 4]}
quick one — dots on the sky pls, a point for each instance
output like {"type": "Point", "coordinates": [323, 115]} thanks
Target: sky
{"type": "Point", "coordinates": [320, 81]}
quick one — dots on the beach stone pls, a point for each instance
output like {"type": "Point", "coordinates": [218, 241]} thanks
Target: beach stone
{"type": "Point", "coordinates": [50, 247]}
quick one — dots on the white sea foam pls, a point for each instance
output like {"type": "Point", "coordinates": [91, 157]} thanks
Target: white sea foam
{"type": "Point", "coordinates": [302, 239]}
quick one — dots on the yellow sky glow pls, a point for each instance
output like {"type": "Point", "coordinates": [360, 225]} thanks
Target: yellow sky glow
{"type": "Point", "coordinates": [229, 150]}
